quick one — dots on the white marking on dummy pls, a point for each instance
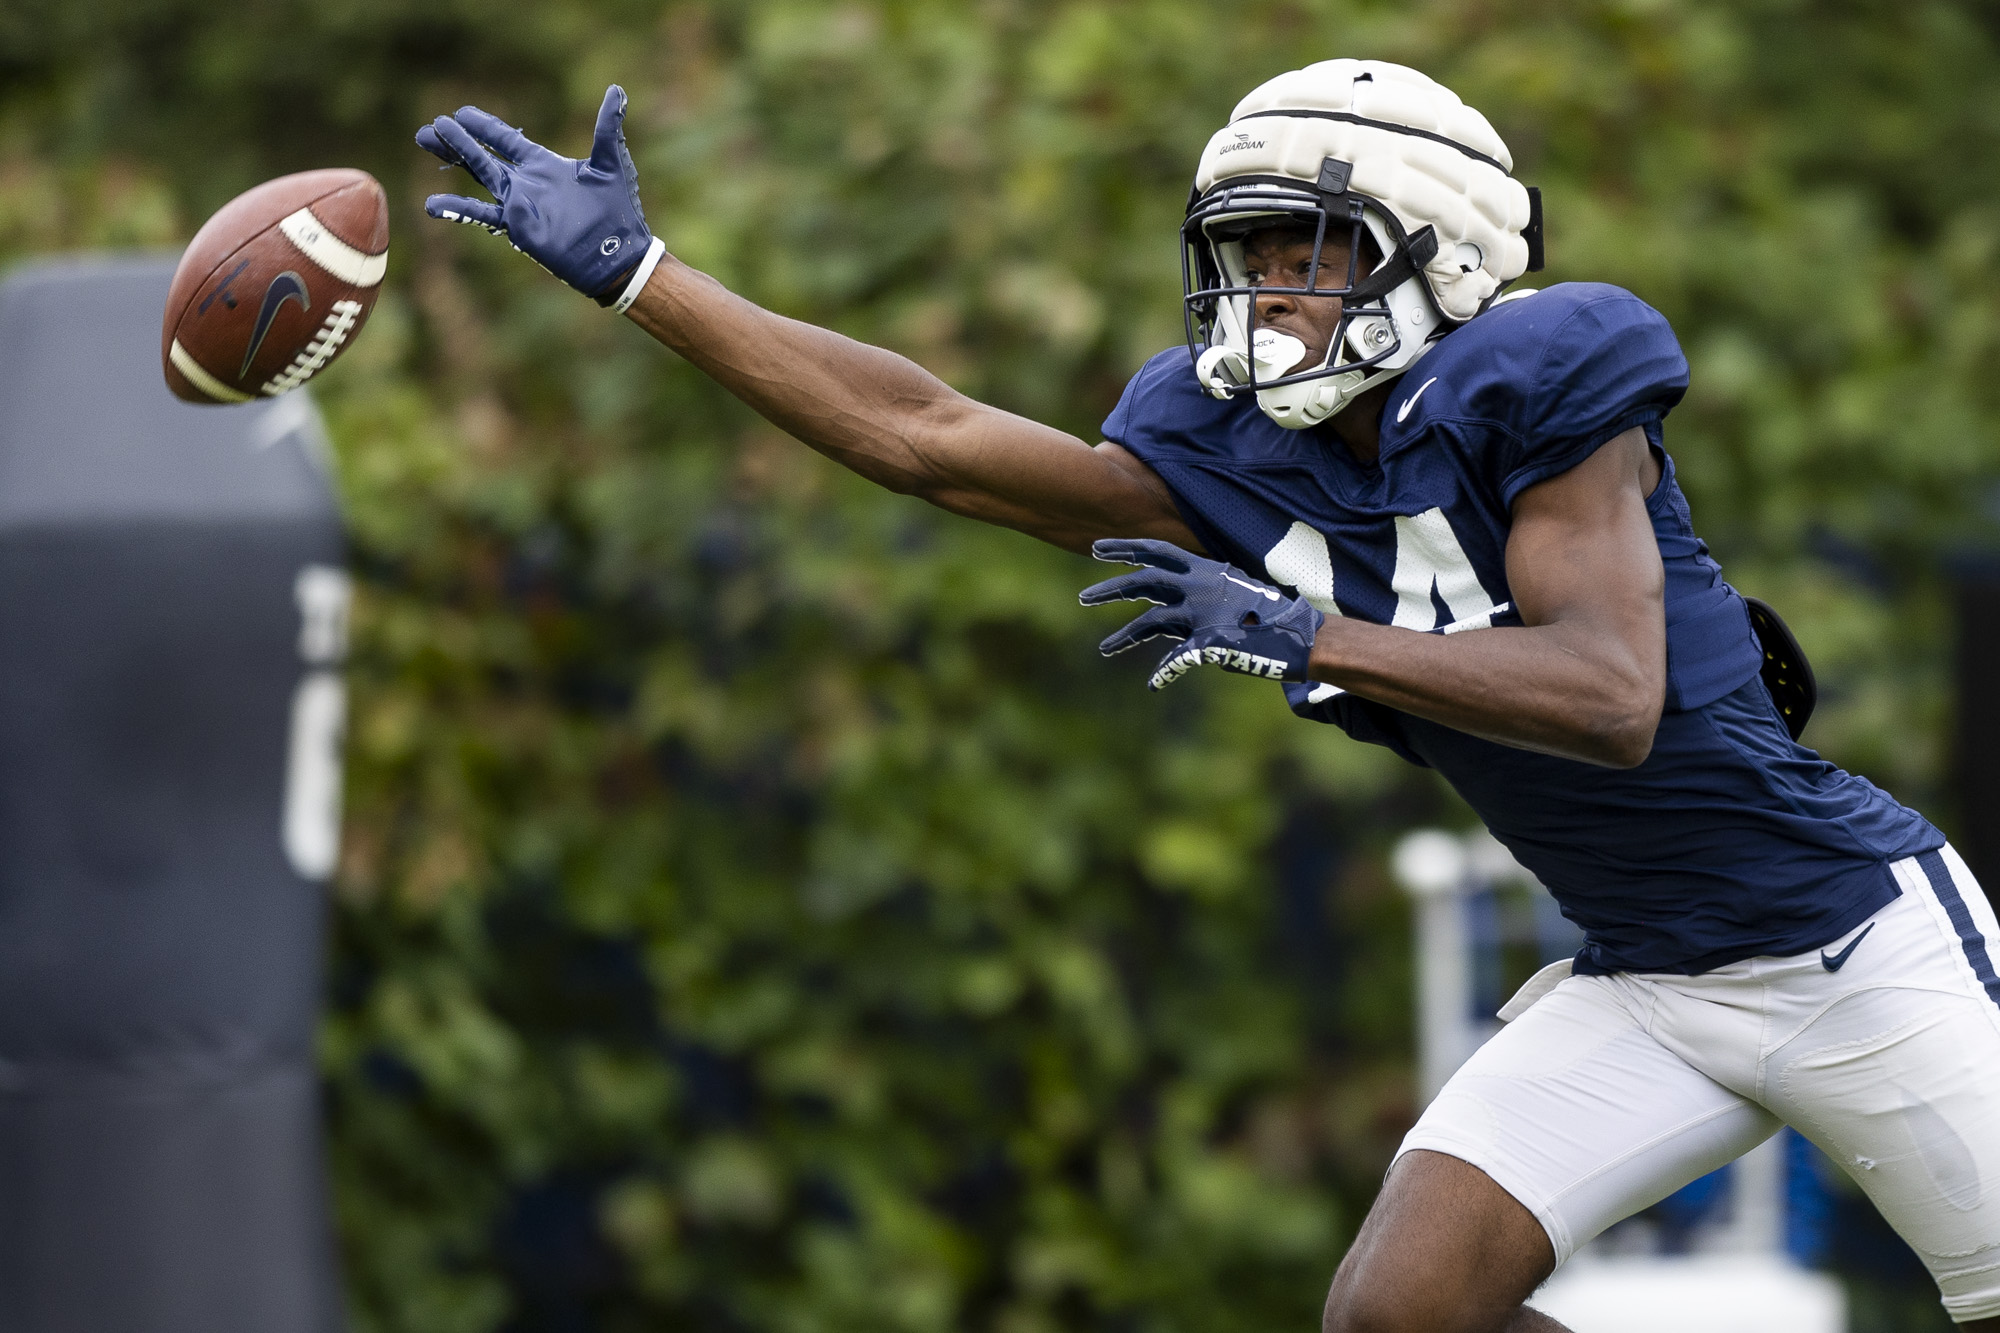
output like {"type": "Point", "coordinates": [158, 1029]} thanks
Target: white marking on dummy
{"type": "Point", "coordinates": [311, 821]}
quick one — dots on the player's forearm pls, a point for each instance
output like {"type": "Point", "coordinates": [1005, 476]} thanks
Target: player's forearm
{"type": "Point", "coordinates": [892, 421]}
{"type": "Point", "coordinates": [1557, 689]}
{"type": "Point", "coordinates": [861, 405]}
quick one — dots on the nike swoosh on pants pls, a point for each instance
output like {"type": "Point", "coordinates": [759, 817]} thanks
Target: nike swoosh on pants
{"type": "Point", "coordinates": [1839, 960]}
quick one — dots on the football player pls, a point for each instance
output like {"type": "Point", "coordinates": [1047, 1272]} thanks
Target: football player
{"type": "Point", "coordinates": [1440, 511]}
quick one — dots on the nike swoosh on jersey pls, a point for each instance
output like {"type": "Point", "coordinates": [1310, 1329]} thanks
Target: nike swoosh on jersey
{"type": "Point", "coordinates": [1411, 401]}
{"type": "Point", "coordinates": [1839, 960]}
{"type": "Point", "coordinates": [287, 286]}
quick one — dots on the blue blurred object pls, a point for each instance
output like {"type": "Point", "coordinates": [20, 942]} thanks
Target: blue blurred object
{"type": "Point", "coordinates": [1809, 1206]}
{"type": "Point", "coordinates": [1809, 1214]}
{"type": "Point", "coordinates": [1514, 930]}
{"type": "Point", "coordinates": [1694, 1205]}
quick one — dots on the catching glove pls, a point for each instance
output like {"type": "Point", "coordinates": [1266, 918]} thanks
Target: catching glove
{"type": "Point", "coordinates": [579, 220]}
{"type": "Point", "coordinates": [1227, 618]}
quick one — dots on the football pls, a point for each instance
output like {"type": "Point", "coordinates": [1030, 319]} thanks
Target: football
{"type": "Point", "coordinates": [275, 286]}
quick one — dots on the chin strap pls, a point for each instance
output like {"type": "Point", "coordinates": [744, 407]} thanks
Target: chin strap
{"type": "Point", "coordinates": [1369, 382]}
{"type": "Point", "coordinates": [1408, 262]}
{"type": "Point", "coordinates": [1343, 398]}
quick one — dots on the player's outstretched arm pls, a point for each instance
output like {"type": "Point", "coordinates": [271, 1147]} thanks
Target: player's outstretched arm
{"type": "Point", "coordinates": [878, 413]}
{"type": "Point", "coordinates": [1585, 676]}
{"type": "Point", "coordinates": [895, 423]}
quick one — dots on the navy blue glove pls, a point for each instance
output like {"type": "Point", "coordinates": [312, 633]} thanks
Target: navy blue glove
{"type": "Point", "coordinates": [1227, 618]}
{"type": "Point", "coordinates": [579, 220]}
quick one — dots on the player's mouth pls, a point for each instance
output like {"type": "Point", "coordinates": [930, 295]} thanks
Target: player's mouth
{"type": "Point", "coordinates": [1315, 340]}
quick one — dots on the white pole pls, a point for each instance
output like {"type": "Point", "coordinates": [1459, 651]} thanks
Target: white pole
{"type": "Point", "coordinates": [1757, 1202]}
{"type": "Point", "coordinates": [1431, 866]}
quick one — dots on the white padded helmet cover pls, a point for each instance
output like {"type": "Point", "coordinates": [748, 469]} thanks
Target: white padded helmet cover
{"type": "Point", "coordinates": [1476, 208]}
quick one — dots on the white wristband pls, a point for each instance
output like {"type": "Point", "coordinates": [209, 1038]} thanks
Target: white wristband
{"type": "Point", "coordinates": [640, 275]}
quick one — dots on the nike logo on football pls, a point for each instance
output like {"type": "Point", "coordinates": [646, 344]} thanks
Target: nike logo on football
{"type": "Point", "coordinates": [287, 286]}
{"type": "Point", "coordinates": [1411, 401]}
{"type": "Point", "coordinates": [1251, 586]}
{"type": "Point", "coordinates": [1839, 960]}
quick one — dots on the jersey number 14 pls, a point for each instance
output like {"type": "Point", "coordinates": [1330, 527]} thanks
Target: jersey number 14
{"type": "Point", "coordinates": [1431, 569]}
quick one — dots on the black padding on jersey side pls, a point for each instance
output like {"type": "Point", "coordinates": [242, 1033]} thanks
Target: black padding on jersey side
{"type": "Point", "coordinates": [1786, 672]}
{"type": "Point", "coordinates": [1532, 233]}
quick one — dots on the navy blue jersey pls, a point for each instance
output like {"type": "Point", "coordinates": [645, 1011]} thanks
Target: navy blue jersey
{"type": "Point", "coordinates": [1731, 840]}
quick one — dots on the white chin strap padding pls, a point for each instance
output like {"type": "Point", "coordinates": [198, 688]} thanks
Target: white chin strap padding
{"type": "Point", "coordinates": [1307, 403]}
{"type": "Point", "coordinates": [1293, 406]}
{"type": "Point", "coordinates": [1221, 370]}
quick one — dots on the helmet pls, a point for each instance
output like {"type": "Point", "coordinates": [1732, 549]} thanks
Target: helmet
{"type": "Point", "coordinates": [1376, 153]}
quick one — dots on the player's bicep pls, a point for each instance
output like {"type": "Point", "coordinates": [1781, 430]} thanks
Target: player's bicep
{"type": "Point", "coordinates": [1582, 550]}
{"type": "Point", "coordinates": [1153, 509]}
{"type": "Point", "coordinates": [1005, 469]}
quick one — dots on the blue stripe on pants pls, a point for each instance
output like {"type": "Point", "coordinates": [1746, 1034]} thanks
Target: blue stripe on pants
{"type": "Point", "coordinates": [1946, 889]}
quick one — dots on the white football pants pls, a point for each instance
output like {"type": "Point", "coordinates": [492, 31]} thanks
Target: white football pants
{"type": "Point", "coordinates": [1604, 1095]}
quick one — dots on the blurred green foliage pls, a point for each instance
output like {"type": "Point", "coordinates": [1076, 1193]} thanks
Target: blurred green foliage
{"type": "Point", "coordinates": [761, 909]}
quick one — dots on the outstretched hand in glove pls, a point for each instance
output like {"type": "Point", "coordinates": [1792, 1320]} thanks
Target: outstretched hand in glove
{"type": "Point", "coordinates": [580, 220]}
{"type": "Point", "coordinates": [1223, 616]}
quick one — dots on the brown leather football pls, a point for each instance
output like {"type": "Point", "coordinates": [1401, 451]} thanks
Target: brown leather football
{"type": "Point", "coordinates": [275, 286]}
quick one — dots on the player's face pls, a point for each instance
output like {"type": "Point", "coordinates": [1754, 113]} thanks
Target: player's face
{"type": "Point", "coordinates": [1283, 257]}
